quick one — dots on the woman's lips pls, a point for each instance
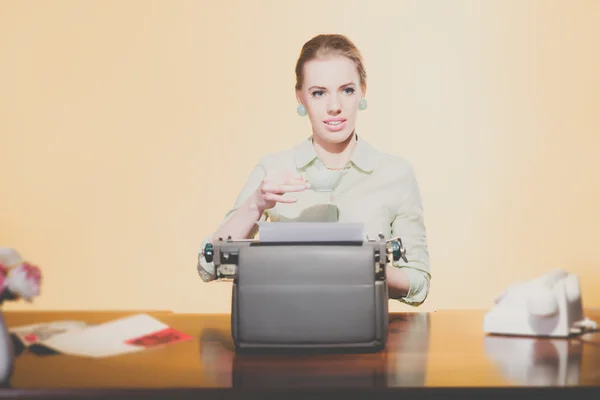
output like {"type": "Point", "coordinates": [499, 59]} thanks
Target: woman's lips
{"type": "Point", "coordinates": [335, 124]}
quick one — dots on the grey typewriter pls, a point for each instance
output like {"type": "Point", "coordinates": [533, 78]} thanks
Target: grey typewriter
{"type": "Point", "coordinates": [322, 293]}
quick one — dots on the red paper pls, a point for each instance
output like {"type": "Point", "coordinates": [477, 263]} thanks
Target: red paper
{"type": "Point", "coordinates": [165, 336]}
{"type": "Point", "coordinates": [31, 338]}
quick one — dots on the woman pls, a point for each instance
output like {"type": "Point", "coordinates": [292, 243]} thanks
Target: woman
{"type": "Point", "coordinates": [334, 175]}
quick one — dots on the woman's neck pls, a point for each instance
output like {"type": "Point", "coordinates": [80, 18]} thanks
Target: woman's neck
{"type": "Point", "coordinates": [335, 155]}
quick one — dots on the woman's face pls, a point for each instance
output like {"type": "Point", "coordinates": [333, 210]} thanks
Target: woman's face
{"type": "Point", "coordinates": [331, 92]}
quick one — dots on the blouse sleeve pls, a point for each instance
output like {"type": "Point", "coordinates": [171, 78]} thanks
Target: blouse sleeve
{"type": "Point", "coordinates": [409, 225]}
{"type": "Point", "coordinates": [206, 270]}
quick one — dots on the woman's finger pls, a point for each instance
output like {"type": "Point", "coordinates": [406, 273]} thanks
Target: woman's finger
{"type": "Point", "coordinates": [279, 198]}
{"type": "Point", "coordinates": [278, 188]}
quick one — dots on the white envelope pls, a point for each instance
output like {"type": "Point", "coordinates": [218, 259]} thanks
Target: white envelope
{"type": "Point", "coordinates": [107, 339]}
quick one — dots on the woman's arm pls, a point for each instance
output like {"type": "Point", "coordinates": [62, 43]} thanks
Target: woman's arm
{"type": "Point", "coordinates": [242, 224]}
{"type": "Point", "coordinates": [263, 189]}
{"type": "Point", "coordinates": [409, 281]}
{"type": "Point", "coordinates": [398, 282]}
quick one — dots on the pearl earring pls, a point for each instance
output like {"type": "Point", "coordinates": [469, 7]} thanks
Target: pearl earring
{"type": "Point", "coordinates": [301, 110]}
{"type": "Point", "coordinates": [362, 104]}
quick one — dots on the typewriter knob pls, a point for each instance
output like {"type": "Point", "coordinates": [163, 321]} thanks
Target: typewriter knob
{"type": "Point", "coordinates": [398, 251]}
{"type": "Point", "coordinates": [208, 252]}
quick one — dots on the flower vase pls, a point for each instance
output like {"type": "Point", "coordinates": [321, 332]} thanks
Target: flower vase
{"type": "Point", "coordinates": [6, 352]}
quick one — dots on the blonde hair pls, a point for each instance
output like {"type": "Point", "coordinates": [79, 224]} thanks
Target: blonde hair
{"type": "Point", "coordinates": [325, 45]}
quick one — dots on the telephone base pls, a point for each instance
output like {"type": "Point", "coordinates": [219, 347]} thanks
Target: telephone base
{"type": "Point", "coordinates": [552, 310]}
{"type": "Point", "coordinates": [510, 323]}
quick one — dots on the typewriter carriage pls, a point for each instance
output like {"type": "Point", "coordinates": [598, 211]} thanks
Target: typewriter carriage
{"type": "Point", "coordinates": [225, 253]}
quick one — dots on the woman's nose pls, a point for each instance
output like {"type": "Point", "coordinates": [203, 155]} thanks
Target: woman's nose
{"type": "Point", "coordinates": [334, 107]}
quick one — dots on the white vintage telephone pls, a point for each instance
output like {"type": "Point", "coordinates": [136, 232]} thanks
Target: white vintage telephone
{"type": "Point", "coordinates": [549, 305]}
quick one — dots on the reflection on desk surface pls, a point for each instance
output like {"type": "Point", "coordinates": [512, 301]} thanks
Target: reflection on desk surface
{"type": "Point", "coordinates": [536, 361]}
{"type": "Point", "coordinates": [403, 363]}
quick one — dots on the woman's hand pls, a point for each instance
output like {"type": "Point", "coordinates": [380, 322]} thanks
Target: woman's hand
{"type": "Point", "coordinates": [274, 185]}
{"type": "Point", "coordinates": [270, 192]}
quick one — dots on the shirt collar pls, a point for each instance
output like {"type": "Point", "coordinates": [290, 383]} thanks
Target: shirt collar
{"type": "Point", "coordinates": [364, 156]}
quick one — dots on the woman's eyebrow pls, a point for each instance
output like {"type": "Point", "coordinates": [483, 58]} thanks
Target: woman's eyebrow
{"type": "Point", "coordinates": [324, 88]}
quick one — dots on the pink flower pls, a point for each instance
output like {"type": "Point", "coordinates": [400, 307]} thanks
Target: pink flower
{"type": "Point", "coordinates": [3, 271]}
{"type": "Point", "coordinates": [24, 281]}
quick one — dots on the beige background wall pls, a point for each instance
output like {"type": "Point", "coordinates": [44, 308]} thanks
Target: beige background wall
{"type": "Point", "coordinates": [128, 127]}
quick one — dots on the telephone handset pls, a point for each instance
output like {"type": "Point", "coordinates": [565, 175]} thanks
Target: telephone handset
{"type": "Point", "coordinates": [548, 305]}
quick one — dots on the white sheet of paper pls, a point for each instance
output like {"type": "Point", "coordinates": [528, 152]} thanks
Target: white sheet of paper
{"type": "Point", "coordinates": [106, 339]}
{"type": "Point", "coordinates": [38, 333]}
{"type": "Point", "coordinates": [311, 231]}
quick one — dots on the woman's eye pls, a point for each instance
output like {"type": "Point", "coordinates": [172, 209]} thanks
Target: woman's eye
{"type": "Point", "coordinates": [317, 93]}
{"type": "Point", "coordinates": [349, 91]}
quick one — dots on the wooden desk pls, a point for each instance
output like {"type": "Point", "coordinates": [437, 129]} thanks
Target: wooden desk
{"type": "Point", "coordinates": [428, 354]}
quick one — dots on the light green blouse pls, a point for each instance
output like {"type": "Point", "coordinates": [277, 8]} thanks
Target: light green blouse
{"type": "Point", "coordinates": [377, 189]}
